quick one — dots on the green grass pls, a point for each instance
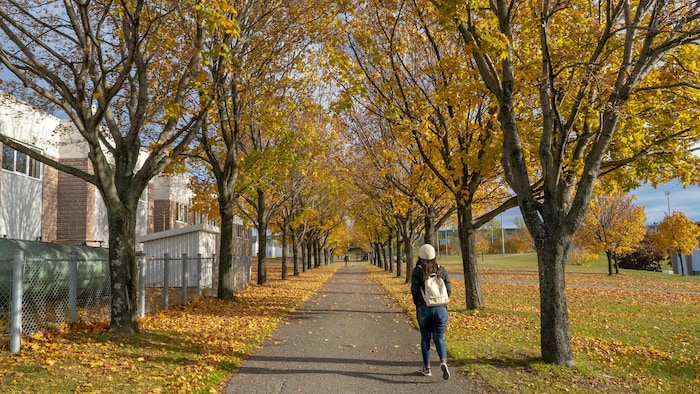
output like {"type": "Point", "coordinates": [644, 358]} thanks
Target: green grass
{"type": "Point", "coordinates": [635, 332]}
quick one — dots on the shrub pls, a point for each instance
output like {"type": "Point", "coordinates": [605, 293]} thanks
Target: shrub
{"type": "Point", "coordinates": [645, 258]}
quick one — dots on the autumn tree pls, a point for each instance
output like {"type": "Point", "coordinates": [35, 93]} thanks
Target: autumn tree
{"type": "Point", "coordinates": [126, 75]}
{"type": "Point", "coordinates": [322, 196]}
{"type": "Point", "coordinates": [402, 181]}
{"type": "Point", "coordinates": [257, 64]}
{"type": "Point", "coordinates": [375, 202]}
{"type": "Point", "coordinates": [612, 82]}
{"type": "Point", "coordinates": [483, 243]}
{"type": "Point", "coordinates": [416, 81]}
{"type": "Point", "coordinates": [520, 240]}
{"type": "Point", "coordinates": [676, 234]}
{"type": "Point", "coordinates": [613, 225]}
{"type": "Point", "coordinates": [214, 157]}
{"type": "Point", "coordinates": [286, 218]}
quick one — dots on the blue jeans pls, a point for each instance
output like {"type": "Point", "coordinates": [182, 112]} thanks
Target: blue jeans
{"type": "Point", "coordinates": [432, 323]}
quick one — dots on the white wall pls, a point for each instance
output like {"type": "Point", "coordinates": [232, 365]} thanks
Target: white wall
{"type": "Point", "coordinates": [174, 188]}
{"type": "Point", "coordinates": [21, 196]}
{"type": "Point", "coordinates": [20, 206]}
{"type": "Point", "coordinates": [28, 125]}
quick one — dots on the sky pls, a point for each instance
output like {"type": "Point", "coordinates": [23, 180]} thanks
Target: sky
{"type": "Point", "coordinates": [655, 202]}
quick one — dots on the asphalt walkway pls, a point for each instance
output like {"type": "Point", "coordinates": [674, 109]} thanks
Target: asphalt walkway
{"type": "Point", "coordinates": [348, 338]}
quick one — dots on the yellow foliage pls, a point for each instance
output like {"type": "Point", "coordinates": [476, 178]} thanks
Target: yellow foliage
{"type": "Point", "coordinates": [676, 233]}
{"type": "Point", "coordinates": [612, 224]}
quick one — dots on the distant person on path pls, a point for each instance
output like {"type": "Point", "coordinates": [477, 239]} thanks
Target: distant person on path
{"type": "Point", "coordinates": [431, 320]}
{"type": "Point", "coordinates": [346, 258]}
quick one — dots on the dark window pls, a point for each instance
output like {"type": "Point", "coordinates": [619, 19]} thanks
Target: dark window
{"type": "Point", "coordinates": [15, 161]}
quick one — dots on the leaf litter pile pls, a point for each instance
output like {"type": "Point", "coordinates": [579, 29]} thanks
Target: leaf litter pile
{"type": "Point", "coordinates": [187, 348]}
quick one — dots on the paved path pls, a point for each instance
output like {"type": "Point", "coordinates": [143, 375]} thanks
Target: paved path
{"type": "Point", "coordinates": [348, 338]}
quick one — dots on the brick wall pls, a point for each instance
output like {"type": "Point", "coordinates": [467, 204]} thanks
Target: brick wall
{"type": "Point", "coordinates": [151, 208]}
{"type": "Point", "coordinates": [49, 204]}
{"type": "Point", "coordinates": [163, 215]}
{"type": "Point", "coordinates": [76, 205]}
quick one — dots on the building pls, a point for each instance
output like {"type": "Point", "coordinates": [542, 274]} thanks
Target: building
{"type": "Point", "coordinates": [38, 202]}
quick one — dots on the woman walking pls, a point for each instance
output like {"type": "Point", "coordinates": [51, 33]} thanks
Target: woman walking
{"type": "Point", "coordinates": [431, 320]}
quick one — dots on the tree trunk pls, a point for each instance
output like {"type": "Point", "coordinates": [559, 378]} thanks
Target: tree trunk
{"type": "Point", "coordinates": [385, 263]}
{"type": "Point", "coordinates": [284, 251]}
{"type": "Point", "coordinates": [467, 242]}
{"type": "Point", "coordinates": [262, 239]}
{"type": "Point", "coordinates": [225, 290]}
{"type": "Point", "coordinates": [608, 254]}
{"type": "Point", "coordinates": [389, 245]}
{"type": "Point", "coordinates": [399, 259]}
{"type": "Point", "coordinates": [408, 248]}
{"type": "Point", "coordinates": [317, 254]}
{"type": "Point", "coordinates": [309, 254]}
{"type": "Point", "coordinates": [429, 236]}
{"type": "Point", "coordinates": [295, 252]}
{"type": "Point", "coordinates": [122, 267]}
{"type": "Point", "coordinates": [377, 255]}
{"type": "Point", "coordinates": [554, 318]}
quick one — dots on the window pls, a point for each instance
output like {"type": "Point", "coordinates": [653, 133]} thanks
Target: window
{"type": "Point", "coordinates": [15, 161]}
{"type": "Point", "coordinates": [181, 212]}
{"type": "Point", "coordinates": [8, 158]}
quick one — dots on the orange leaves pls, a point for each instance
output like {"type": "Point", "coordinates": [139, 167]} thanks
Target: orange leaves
{"type": "Point", "coordinates": [611, 350]}
{"type": "Point", "coordinates": [181, 350]}
{"type": "Point", "coordinates": [487, 321]}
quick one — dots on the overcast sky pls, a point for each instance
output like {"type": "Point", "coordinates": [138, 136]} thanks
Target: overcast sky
{"type": "Point", "coordinates": [654, 201]}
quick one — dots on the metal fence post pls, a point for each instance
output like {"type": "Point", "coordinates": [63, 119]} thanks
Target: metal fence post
{"type": "Point", "coordinates": [183, 293]}
{"type": "Point", "coordinates": [16, 307]}
{"type": "Point", "coordinates": [166, 279]}
{"type": "Point", "coordinates": [199, 274]}
{"type": "Point", "coordinates": [73, 287]}
{"type": "Point", "coordinates": [142, 285]}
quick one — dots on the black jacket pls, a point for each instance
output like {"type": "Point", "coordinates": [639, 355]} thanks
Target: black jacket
{"type": "Point", "coordinates": [417, 283]}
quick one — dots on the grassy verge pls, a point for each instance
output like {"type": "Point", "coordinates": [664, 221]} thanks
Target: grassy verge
{"type": "Point", "coordinates": [185, 349]}
{"type": "Point", "coordinates": [636, 332]}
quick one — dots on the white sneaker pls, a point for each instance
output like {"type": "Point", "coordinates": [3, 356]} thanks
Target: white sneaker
{"type": "Point", "coordinates": [445, 371]}
{"type": "Point", "coordinates": [426, 371]}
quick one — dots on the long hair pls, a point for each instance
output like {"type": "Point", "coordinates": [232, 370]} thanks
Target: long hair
{"type": "Point", "coordinates": [428, 266]}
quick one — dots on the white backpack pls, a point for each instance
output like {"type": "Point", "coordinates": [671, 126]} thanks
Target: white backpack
{"type": "Point", "coordinates": [435, 291]}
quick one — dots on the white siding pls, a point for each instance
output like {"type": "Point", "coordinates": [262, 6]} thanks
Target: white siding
{"type": "Point", "coordinates": [192, 240]}
{"type": "Point", "coordinates": [20, 212]}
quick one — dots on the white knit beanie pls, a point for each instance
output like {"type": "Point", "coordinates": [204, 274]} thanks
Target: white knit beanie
{"type": "Point", "coordinates": [426, 252]}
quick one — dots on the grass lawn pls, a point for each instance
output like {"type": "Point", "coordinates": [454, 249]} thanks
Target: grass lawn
{"type": "Point", "coordinates": [635, 332]}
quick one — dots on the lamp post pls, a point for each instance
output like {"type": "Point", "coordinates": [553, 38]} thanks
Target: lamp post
{"type": "Point", "coordinates": [668, 201]}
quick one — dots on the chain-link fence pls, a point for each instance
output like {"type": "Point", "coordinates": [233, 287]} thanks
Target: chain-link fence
{"type": "Point", "coordinates": [50, 292]}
